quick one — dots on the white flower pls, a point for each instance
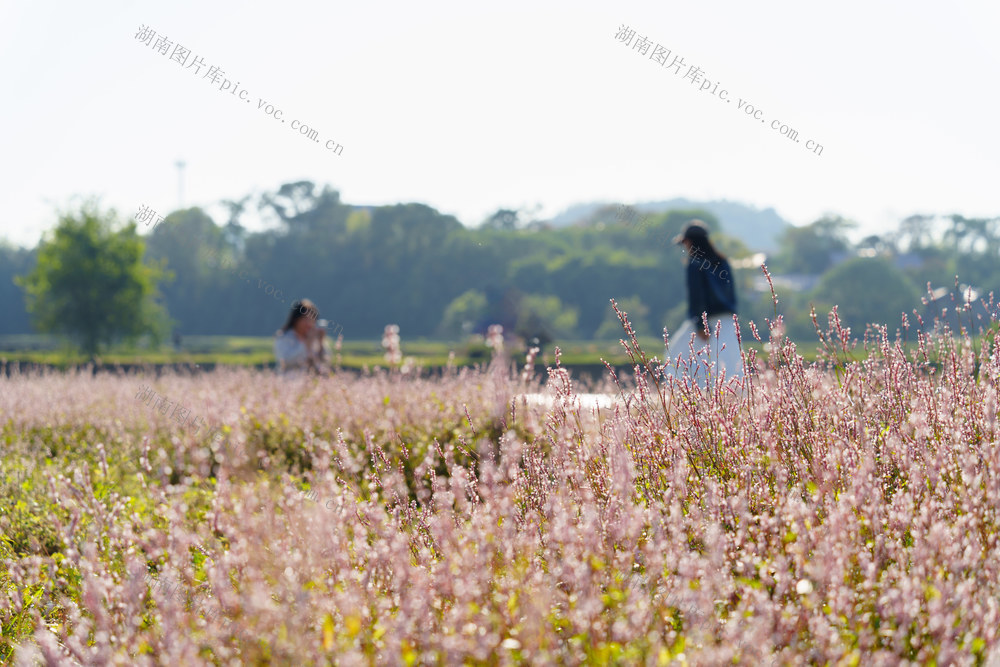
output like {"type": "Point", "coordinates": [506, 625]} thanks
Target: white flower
{"type": "Point", "coordinates": [804, 587]}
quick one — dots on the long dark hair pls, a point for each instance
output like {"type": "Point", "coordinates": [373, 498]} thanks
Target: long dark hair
{"type": "Point", "coordinates": [301, 308]}
{"type": "Point", "coordinates": [702, 248]}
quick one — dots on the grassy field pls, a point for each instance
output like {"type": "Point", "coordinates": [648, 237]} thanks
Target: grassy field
{"type": "Point", "coordinates": [356, 354]}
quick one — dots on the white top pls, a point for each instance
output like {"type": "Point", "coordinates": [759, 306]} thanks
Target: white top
{"type": "Point", "coordinates": [293, 354]}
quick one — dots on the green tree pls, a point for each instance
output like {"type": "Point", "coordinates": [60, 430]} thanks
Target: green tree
{"type": "Point", "coordinates": [504, 219]}
{"type": "Point", "coordinates": [866, 289]}
{"type": "Point", "coordinates": [915, 233]}
{"type": "Point", "coordinates": [91, 284]}
{"type": "Point", "coordinates": [192, 248]}
{"type": "Point", "coordinates": [463, 313]}
{"type": "Point", "coordinates": [811, 249]}
{"type": "Point", "coordinates": [13, 261]}
{"type": "Point", "coordinates": [546, 318]}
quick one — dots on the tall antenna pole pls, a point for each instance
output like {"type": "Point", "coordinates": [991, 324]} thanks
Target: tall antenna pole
{"type": "Point", "coordinates": [180, 183]}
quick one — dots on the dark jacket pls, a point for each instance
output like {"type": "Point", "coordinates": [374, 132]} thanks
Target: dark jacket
{"type": "Point", "coordinates": [710, 287]}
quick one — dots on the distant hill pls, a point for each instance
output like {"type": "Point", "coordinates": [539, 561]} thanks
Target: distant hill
{"type": "Point", "coordinates": [758, 229]}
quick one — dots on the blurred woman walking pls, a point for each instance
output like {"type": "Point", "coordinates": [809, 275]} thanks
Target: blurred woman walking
{"type": "Point", "coordinates": [696, 352]}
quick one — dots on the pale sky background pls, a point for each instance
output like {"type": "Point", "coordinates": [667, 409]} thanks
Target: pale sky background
{"type": "Point", "coordinates": [469, 107]}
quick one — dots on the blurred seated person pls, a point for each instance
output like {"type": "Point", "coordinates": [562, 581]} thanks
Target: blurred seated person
{"type": "Point", "coordinates": [301, 345]}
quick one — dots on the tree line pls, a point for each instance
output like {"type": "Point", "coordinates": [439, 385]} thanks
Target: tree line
{"type": "Point", "coordinates": [410, 265]}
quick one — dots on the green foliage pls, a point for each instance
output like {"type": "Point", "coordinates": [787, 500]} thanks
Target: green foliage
{"type": "Point", "coordinates": [193, 248]}
{"type": "Point", "coordinates": [26, 514]}
{"type": "Point", "coordinates": [504, 219]}
{"type": "Point", "coordinates": [367, 266]}
{"type": "Point", "coordinates": [91, 284]}
{"type": "Point", "coordinates": [411, 265]}
{"type": "Point", "coordinates": [463, 313]}
{"type": "Point", "coordinates": [545, 317]}
{"type": "Point", "coordinates": [811, 249]}
{"type": "Point", "coordinates": [867, 289]}
{"type": "Point", "coordinates": [407, 264]}
{"type": "Point", "coordinates": [13, 262]}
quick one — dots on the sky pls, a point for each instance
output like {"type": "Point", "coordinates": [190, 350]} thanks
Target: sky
{"type": "Point", "coordinates": [470, 107]}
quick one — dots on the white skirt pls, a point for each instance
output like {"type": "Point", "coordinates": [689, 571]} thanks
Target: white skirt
{"type": "Point", "coordinates": [689, 356]}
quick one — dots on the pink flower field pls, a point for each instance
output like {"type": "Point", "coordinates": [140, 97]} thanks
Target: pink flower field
{"type": "Point", "coordinates": [842, 512]}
